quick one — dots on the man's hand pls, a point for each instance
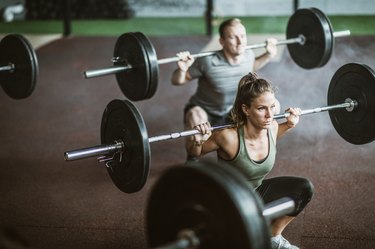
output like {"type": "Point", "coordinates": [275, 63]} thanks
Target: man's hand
{"type": "Point", "coordinates": [185, 60]}
{"type": "Point", "coordinates": [271, 47]}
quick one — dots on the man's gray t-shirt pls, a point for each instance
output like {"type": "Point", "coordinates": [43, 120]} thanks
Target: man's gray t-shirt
{"type": "Point", "coordinates": [218, 81]}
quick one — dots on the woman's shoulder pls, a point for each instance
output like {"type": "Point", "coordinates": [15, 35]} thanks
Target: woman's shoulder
{"type": "Point", "coordinates": [227, 134]}
{"type": "Point", "coordinates": [227, 141]}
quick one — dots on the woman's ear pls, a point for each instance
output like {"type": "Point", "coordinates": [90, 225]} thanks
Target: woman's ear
{"type": "Point", "coordinates": [245, 109]}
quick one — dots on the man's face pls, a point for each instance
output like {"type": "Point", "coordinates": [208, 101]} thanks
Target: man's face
{"type": "Point", "coordinates": [234, 40]}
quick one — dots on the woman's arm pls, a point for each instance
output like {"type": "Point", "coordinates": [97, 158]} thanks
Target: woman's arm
{"type": "Point", "coordinates": [202, 143]}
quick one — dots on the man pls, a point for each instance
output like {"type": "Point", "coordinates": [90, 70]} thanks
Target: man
{"type": "Point", "coordinates": [218, 74]}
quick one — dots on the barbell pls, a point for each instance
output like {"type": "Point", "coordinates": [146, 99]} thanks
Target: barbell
{"type": "Point", "coordinates": [310, 41]}
{"type": "Point", "coordinates": [125, 145]}
{"type": "Point", "coordinates": [209, 205]}
{"type": "Point", "coordinates": [18, 66]}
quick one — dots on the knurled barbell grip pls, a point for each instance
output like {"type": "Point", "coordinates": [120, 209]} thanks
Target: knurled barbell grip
{"type": "Point", "coordinates": [299, 39]}
{"type": "Point", "coordinates": [186, 133]}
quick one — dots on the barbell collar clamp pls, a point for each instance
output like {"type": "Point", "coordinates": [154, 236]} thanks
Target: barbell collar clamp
{"type": "Point", "coordinates": [119, 149]}
{"type": "Point", "coordinates": [117, 59]}
{"type": "Point", "coordinates": [353, 104]}
{"type": "Point", "coordinates": [10, 68]}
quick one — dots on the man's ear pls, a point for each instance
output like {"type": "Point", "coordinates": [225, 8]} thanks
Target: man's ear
{"type": "Point", "coordinates": [221, 40]}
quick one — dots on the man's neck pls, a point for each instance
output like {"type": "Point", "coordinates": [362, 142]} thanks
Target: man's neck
{"type": "Point", "coordinates": [233, 59]}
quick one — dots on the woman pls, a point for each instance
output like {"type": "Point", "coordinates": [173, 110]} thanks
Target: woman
{"type": "Point", "coordinates": [251, 148]}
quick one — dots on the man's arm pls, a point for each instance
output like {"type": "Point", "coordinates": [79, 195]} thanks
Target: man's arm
{"type": "Point", "coordinates": [263, 59]}
{"type": "Point", "coordinates": [181, 74]}
{"type": "Point", "coordinates": [180, 77]}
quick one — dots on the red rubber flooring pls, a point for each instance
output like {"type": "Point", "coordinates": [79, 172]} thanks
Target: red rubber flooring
{"type": "Point", "coordinates": [74, 205]}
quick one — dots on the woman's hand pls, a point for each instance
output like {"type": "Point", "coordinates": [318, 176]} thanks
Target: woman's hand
{"type": "Point", "coordinates": [205, 133]}
{"type": "Point", "coordinates": [293, 118]}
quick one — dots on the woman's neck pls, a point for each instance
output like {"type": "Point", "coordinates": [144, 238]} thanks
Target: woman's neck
{"type": "Point", "coordinates": [253, 133]}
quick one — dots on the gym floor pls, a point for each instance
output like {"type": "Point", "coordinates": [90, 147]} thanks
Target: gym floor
{"type": "Point", "coordinates": [61, 205]}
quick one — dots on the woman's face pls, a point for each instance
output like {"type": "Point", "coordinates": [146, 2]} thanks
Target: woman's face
{"type": "Point", "coordinates": [261, 111]}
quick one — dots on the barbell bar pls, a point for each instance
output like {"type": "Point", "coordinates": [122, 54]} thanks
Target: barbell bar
{"type": "Point", "coordinates": [182, 212]}
{"type": "Point", "coordinates": [18, 66]}
{"type": "Point", "coordinates": [301, 39]}
{"type": "Point", "coordinates": [8, 68]}
{"type": "Point", "coordinates": [310, 42]}
{"type": "Point", "coordinates": [119, 146]}
{"type": "Point", "coordinates": [117, 69]}
{"type": "Point", "coordinates": [125, 146]}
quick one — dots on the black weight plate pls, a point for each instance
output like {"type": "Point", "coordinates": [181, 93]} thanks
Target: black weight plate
{"type": "Point", "coordinates": [210, 201]}
{"type": "Point", "coordinates": [357, 82]}
{"type": "Point", "coordinates": [20, 83]}
{"type": "Point", "coordinates": [122, 121]}
{"type": "Point", "coordinates": [134, 83]}
{"type": "Point", "coordinates": [317, 29]}
{"type": "Point", "coordinates": [152, 62]}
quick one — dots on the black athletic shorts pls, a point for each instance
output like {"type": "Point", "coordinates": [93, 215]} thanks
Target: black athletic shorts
{"type": "Point", "coordinates": [299, 189]}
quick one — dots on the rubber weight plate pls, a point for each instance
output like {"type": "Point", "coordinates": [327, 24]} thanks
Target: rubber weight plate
{"type": "Point", "coordinates": [317, 29]}
{"type": "Point", "coordinates": [122, 121]}
{"type": "Point", "coordinates": [134, 82]}
{"type": "Point", "coordinates": [357, 82]}
{"type": "Point", "coordinates": [20, 83]}
{"type": "Point", "coordinates": [152, 63]}
{"type": "Point", "coordinates": [210, 201]}
{"type": "Point", "coordinates": [259, 227]}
